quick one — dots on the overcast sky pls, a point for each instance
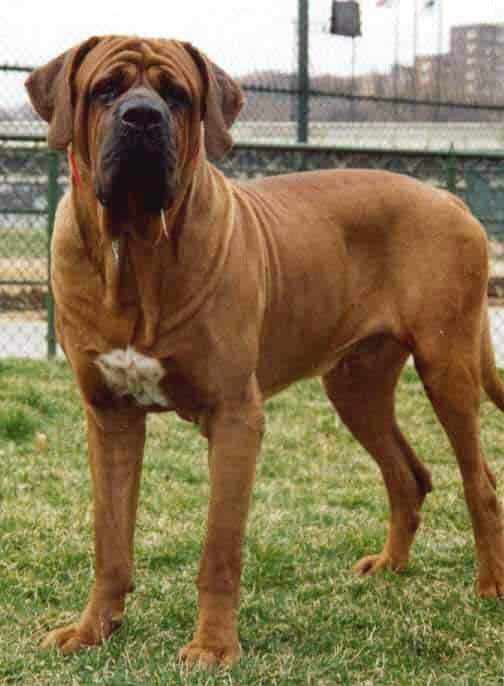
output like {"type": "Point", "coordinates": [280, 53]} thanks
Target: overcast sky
{"type": "Point", "coordinates": [241, 35]}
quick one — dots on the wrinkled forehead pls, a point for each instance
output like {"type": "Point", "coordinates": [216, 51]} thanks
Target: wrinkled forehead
{"type": "Point", "coordinates": [136, 58]}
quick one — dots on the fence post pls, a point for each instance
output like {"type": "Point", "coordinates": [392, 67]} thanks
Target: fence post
{"type": "Point", "coordinates": [52, 201]}
{"type": "Point", "coordinates": [451, 170]}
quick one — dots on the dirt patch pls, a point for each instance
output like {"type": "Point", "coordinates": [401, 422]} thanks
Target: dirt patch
{"type": "Point", "coordinates": [21, 297]}
{"type": "Point", "coordinates": [23, 269]}
{"type": "Point", "coordinates": [24, 316]}
{"type": "Point", "coordinates": [16, 299]}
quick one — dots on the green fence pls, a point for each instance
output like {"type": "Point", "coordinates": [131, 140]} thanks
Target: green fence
{"type": "Point", "coordinates": [32, 179]}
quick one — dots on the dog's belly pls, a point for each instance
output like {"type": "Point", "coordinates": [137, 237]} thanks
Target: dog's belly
{"type": "Point", "coordinates": [127, 372]}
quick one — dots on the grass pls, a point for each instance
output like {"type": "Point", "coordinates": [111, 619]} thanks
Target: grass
{"type": "Point", "coordinates": [319, 505]}
{"type": "Point", "coordinates": [23, 243]}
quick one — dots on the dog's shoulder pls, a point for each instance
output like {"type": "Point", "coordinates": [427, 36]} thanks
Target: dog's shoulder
{"type": "Point", "coordinates": [70, 257]}
{"type": "Point", "coordinates": [65, 234]}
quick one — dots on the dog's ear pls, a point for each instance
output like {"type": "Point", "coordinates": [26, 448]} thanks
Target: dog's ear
{"type": "Point", "coordinates": [222, 104]}
{"type": "Point", "coordinates": [50, 91]}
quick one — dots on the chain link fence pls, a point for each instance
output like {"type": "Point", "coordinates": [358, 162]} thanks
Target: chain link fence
{"type": "Point", "coordinates": [404, 112]}
{"type": "Point", "coordinates": [414, 75]}
{"type": "Point", "coordinates": [31, 179]}
{"type": "Point", "coordinates": [28, 197]}
{"type": "Point", "coordinates": [336, 115]}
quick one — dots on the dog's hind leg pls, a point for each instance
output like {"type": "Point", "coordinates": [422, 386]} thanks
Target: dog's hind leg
{"type": "Point", "coordinates": [450, 371]}
{"type": "Point", "coordinates": [361, 388]}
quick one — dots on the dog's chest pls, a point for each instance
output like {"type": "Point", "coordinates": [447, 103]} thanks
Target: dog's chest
{"type": "Point", "coordinates": [128, 372]}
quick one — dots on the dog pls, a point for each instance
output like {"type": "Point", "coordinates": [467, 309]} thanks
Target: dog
{"type": "Point", "coordinates": [177, 289]}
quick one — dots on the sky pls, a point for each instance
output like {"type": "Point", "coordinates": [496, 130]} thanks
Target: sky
{"type": "Point", "coordinates": [240, 35]}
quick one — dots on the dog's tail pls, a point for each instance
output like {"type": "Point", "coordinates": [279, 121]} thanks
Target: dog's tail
{"type": "Point", "coordinates": [490, 376]}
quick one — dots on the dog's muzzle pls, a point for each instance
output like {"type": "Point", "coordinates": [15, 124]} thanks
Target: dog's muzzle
{"type": "Point", "coordinates": [140, 115]}
{"type": "Point", "coordinates": [138, 156]}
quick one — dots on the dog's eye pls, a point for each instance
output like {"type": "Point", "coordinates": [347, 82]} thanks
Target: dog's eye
{"type": "Point", "coordinates": [106, 93]}
{"type": "Point", "coordinates": [175, 97]}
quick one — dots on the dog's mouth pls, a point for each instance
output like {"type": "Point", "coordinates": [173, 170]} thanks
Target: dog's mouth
{"type": "Point", "coordinates": [137, 162]}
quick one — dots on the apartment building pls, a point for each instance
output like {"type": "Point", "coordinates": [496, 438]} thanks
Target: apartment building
{"type": "Point", "coordinates": [473, 70]}
{"type": "Point", "coordinates": [433, 74]}
{"type": "Point", "coordinates": [477, 61]}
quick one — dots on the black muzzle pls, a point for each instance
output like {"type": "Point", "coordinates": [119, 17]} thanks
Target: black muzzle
{"type": "Point", "coordinates": [138, 155]}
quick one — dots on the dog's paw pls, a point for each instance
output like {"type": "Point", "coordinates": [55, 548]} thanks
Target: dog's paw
{"type": "Point", "coordinates": [198, 654]}
{"type": "Point", "coordinates": [68, 639]}
{"type": "Point", "coordinates": [491, 587]}
{"type": "Point", "coordinates": [376, 563]}
{"type": "Point", "coordinates": [74, 637]}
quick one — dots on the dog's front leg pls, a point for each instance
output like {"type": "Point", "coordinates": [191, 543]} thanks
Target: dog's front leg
{"type": "Point", "coordinates": [234, 440]}
{"type": "Point", "coordinates": [115, 443]}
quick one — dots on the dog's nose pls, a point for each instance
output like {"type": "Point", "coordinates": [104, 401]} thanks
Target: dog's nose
{"type": "Point", "coordinates": [140, 114]}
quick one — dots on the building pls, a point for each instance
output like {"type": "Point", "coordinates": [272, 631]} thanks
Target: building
{"type": "Point", "coordinates": [433, 76]}
{"type": "Point", "coordinates": [472, 71]}
{"type": "Point", "coordinates": [477, 56]}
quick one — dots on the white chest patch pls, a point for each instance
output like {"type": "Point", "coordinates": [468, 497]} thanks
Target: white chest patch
{"type": "Point", "coordinates": [127, 372]}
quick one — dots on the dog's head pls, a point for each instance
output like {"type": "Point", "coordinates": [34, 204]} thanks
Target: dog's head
{"type": "Point", "coordinates": [132, 110]}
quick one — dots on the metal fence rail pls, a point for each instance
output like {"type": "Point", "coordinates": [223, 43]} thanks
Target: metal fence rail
{"type": "Point", "coordinates": [32, 179]}
{"type": "Point", "coordinates": [294, 108]}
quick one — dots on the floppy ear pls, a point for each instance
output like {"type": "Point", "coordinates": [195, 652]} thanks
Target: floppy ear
{"type": "Point", "coordinates": [50, 91]}
{"type": "Point", "coordinates": [222, 104]}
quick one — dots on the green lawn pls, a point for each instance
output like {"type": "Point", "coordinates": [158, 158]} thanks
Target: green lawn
{"type": "Point", "coordinates": [319, 506]}
{"type": "Point", "coordinates": [19, 243]}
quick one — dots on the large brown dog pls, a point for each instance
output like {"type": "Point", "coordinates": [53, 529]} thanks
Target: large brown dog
{"type": "Point", "coordinates": [179, 290]}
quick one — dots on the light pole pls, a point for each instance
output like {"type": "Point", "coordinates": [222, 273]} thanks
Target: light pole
{"type": "Point", "coordinates": [415, 51]}
{"type": "Point", "coordinates": [303, 85]}
{"type": "Point", "coordinates": [396, 57]}
{"type": "Point", "coordinates": [439, 60]}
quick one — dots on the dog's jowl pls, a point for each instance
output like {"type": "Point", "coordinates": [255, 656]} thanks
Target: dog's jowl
{"type": "Point", "coordinates": [177, 289]}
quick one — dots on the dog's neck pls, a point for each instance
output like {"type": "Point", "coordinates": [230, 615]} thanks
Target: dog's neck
{"type": "Point", "coordinates": [167, 268]}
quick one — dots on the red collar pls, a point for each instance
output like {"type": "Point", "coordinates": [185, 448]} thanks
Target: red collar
{"type": "Point", "coordinates": [74, 170]}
